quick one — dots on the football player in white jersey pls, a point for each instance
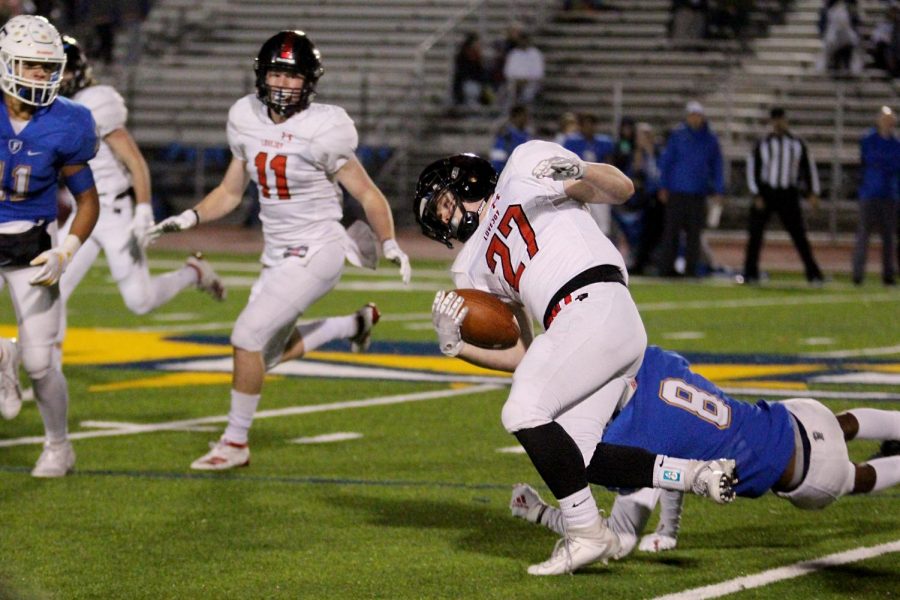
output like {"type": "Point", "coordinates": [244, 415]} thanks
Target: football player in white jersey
{"type": "Point", "coordinates": [531, 241]}
{"type": "Point", "coordinates": [298, 153]}
{"type": "Point", "coordinates": [121, 174]}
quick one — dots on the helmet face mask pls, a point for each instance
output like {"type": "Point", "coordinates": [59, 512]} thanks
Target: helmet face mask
{"type": "Point", "coordinates": [288, 52]}
{"type": "Point", "coordinates": [29, 45]}
{"type": "Point", "coordinates": [78, 73]}
{"type": "Point", "coordinates": [450, 183]}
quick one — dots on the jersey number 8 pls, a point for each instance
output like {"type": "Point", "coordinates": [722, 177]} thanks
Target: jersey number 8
{"type": "Point", "coordinates": [704, 405]}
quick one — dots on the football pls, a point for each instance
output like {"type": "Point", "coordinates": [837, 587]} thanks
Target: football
{"type": "Point", "coordinates": [489, 323]}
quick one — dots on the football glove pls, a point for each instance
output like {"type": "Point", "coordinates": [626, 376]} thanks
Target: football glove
{"type": "Point", "coordinates": [559, 168]}
{"type": "Point", "coordinates": [447, 313]}
{"type": "Point", "coordinates": [141, 223]}
{"type": "Point", "coordinates": [393, 253]}
{"type": "Point", "coordinates": [53, 262]}
{"type": "Point", "coordinates": [185, 220]}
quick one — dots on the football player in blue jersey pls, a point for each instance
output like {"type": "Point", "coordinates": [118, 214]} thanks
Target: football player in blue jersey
{"type": "Point", "coordinates": [42, 138]}
{"type": "Point", "coordinates": [796, 448]}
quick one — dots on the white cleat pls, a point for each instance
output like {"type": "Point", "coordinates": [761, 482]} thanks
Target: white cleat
{"type": "Point", "coordinates": [526, 503]}
{"type": "Point", "coordinates": [578, 548]}
{"type": "Point", "coordinates": [715, 480]}
{"type": "Point", "coordinates": [57, 460]}
{"type": "Point", "coordinates": [207, 279]}
{"type": "Point", "coordinates": [10, 392]}
{"type": "Point", "coordinates": [656, 542]}
{"type": "Point", "coordinates": [366, 318]}
{"type": "Point", "coordinates": [223, 455]}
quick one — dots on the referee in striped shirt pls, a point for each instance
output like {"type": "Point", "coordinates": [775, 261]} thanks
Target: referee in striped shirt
{"type": "Point", "coordinates": [778, 163]}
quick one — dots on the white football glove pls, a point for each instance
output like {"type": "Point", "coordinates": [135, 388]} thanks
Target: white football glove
{"type": "Point", "coordinates": [560, 168]}
{"type": "Point", "coordinates": [393, 253]}
{"type": "Point", "coordinates": [142, 222]}
{"type": "Point", "coordinates": [185, 220]}
{"type": "Point", "coordinates": [447, 313]}
{"type": "Point", "coordinates": [54, 261]}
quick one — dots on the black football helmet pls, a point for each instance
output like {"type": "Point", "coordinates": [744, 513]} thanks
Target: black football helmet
{"type": "Point", "coordinates": [468, 178]}
{"type": "Point", "coordinates": [77, 64]}
{"type": "Point", "coordinates": [288, 51]}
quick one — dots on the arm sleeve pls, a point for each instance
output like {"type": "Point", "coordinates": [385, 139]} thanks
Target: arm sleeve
{"type": "Point", "coordinates": [109, 110]}
{"type": "Point", "coordinates": [753, 167]}
{"type": "Point", "coordinates": [334, 143]}
{"type": "Point", "coordinates": [234, 137]}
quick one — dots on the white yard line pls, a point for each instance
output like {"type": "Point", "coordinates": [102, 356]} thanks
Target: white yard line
{"type": "Point", "coordinates": [772, 575]}
{"type": "Point", "coordinates": [817, 394]}
{"type": "Point", "coordinates": [765, 302]}
{"type": "Point", "coordinates": [887, 350]}
{"type": "Point", "coordinates": [131, 429]}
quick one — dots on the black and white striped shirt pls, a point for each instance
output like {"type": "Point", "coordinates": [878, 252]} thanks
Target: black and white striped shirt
{"type": "Point", "coordinates": [779, 162]}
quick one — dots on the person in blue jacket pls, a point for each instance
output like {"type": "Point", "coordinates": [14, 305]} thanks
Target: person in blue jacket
{"type": "Point", "coordinates": [511, 135]}
{"type": "Point", "coordinates": [690, 169]}
{"type": "Point", "coordinates": [879, 195]}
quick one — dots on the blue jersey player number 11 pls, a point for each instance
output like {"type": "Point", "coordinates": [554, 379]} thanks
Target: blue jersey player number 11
{"type": "Point", "coordinates": [42, 138]}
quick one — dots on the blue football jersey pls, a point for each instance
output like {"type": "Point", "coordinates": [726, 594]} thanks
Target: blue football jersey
{"type": "Point", "coordinates": [676, 412]}
{"type": "Point", "coordinates": [30, 161]}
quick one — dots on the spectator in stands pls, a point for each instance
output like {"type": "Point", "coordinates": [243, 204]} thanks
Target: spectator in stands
{"type": "Point", "coordinates": [104, 16]}
{"type": "Point", "coordinates": [523, 72]}
{"type": "Point", "coordinates": [644, 172]}
{"type": "Point", "coordinates": [690, 168]}
{"type": "Point", "coordinates": [885, 41]}
{"type": "Point", "coordinates": [839, 28]}
{"type": "Point", "coordinates": [688, 21]}
{"type": "Point", "coordinates": [513, 133]}
{"type": "Point", "coordinates": [501, 49]}
{"type": "Point", "coordinates": [10, 9]}
{"type": "Point", "coordinates": [626, 216]}
{"type": "Point", "coordinates": [568, 124]}
{"type": "Point", "coordinates": [728, 19]}
{"type": "Point", "coordinates": [778, 165]}
{"type": "Point", "coordinates": [591, 146]}
{"type": "Point", "coordinates": [879, 195]}
{"type": "Point", "coordinates": [470, 77]}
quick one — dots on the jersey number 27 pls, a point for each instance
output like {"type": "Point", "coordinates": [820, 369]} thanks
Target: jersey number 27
{"type": "Point", "coordinates": [498, 248]}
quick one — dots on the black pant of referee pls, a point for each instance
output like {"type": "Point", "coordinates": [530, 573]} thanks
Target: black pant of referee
{"type": "Point", "coordinates": [786, 203]}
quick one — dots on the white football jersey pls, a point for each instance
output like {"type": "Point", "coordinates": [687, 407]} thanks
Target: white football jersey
{"type": "Point", "coordinates": [293, 165]}
{"type": "Point", "coordinates": [108, 109]}
{"type": "Point", "coordinates": [531, 238]}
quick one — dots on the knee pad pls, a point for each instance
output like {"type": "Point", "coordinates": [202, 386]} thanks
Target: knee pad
{"type": "Point", "coordinates": [517, 414]}
{"type": "Point", "coordinates": [246, 337]}
{"type": "Point", "coordinates": [138, 304]}
{"type": "Point", "coordinates": [37, 361]}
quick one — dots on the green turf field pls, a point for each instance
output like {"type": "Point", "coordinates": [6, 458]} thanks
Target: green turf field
{"type": "Point", "coordinates": [415, 504]}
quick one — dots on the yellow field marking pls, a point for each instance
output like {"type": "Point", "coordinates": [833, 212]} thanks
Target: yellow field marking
{"type": "Point", "coordinates": [440, 364]}
{"type": "Point", "coordinates": [728, 372]}
{"type": "Point", "coordinates": [167, 380]}
{"type": "Point", "coordinates": [886, 368]}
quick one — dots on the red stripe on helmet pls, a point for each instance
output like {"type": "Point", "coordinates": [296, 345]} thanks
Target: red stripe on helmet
{"type": "Point", "coordinates": [287, 46]}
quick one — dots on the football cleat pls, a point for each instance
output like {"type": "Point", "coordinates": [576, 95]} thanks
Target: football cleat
{"type": "Point", "coordinates": [56, 460]}
{"type": "Point", "coordinates": [657, 542]}
{"type": "Point", "coordinates": [10, 392]}
{"type": "Point", "coordinates": [366, 318]}
{"type": "Point", "coordinates": [715, 479]}
{"type": "Point", "coordinates": [207, 279]}
{"type": "Point", "coordinates": [223, 455]}
{"type": "Point", "coordinates": [579, 547]}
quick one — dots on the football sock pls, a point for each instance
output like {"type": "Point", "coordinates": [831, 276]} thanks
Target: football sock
{"type": "Point", "coordinates": [631, 512]}
{"type": "Point", "coordinates": [52, 397]}
{"type": "Point", "coordinates": [240, 417]}
{"type": "Point", "coordinates": [166, 286]}
{"type": "Point", "coordinates": [319, 333]}
{"type": "Point", "coordinates": [887, 472]}
{"type": "Point", "coordinates": [875, 424]}
{"type": "Point", "coordinates": [671, 504]}
{"type": "Point", "coordinates": [556, 458]}
{"type": "Point", "coordinates": [579, 510]}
